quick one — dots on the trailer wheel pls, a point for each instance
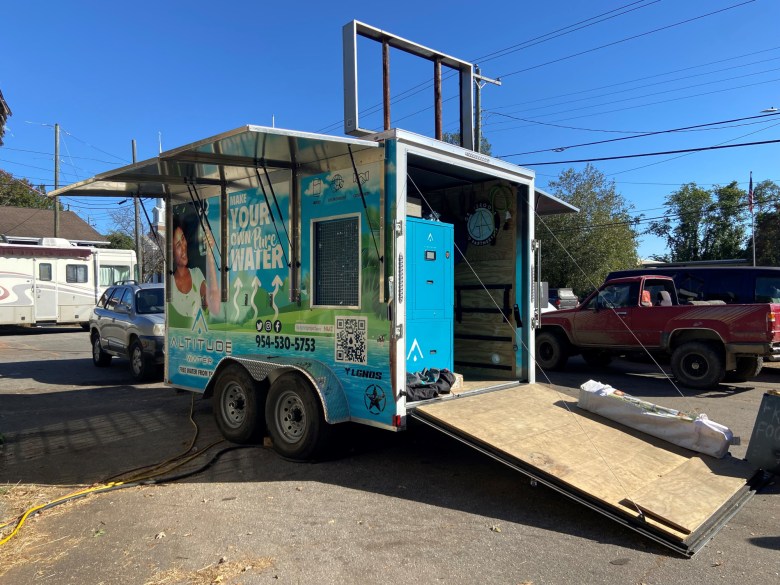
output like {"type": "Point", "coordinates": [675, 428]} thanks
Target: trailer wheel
{"type": "Point", "coordinates": [238, 404]}
{"type": "Point", "coordinates": [100, 358]}
{"type": "Point", "coordinates": [551, 351]}
{"type": "Point", "coordinates": [294, 418]}
{"type": "Point", "coordinates": [139, 362]}
{"type": "Point", "coordinates": [698, 365]}
{"type": "Point", "coordinates": [747, 369]}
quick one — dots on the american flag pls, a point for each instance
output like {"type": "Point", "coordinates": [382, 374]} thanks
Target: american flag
{"type": "Point", "coordinates": [750, 193]}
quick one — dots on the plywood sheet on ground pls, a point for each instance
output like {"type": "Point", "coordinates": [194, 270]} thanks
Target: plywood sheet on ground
{"type": "Point", "coordinates": [543, 428]}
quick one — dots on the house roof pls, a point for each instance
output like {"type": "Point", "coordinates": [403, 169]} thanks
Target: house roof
{"type": "Point", "coordinates": [24, 224]}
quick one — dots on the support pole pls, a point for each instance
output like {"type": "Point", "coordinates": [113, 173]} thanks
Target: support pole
{"type": "Point", "coordinates": [477, 111]}
{"type": "Point", "coordinates": [479, 83]}
{"type": "Point", "coordinates": [437, 97]}
{"type": "Point", "coordinates": [56, 179]}
{"type": "Point", "coordinates": [139, 249]}
{"type": "Point", "coordinates": [386, 81]}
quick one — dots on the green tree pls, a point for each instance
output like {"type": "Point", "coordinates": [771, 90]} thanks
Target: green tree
{"type": "Point", "coordinates": [120, 241]}
{"type": "Point", "coordinates": [454, 138]}
{"type": "Point", "coordinates": [21, 193]}
{"type": "Point", "coordinates": [703, 224]}
{"type": "Point", "coordinates": [767, 225]}
{"type": "Point", "coordinates": [579, 249]}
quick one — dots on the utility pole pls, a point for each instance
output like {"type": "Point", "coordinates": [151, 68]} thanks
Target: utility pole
{"type": "Point", "coordinates": [139, 249]}
{"type": "Point", "coordinates": [479, 81]}
{"type": "Point", "coordinates": [56, 179]}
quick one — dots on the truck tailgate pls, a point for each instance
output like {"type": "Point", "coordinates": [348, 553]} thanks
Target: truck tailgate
{"type": "Point", "coordinates": [674, 496]}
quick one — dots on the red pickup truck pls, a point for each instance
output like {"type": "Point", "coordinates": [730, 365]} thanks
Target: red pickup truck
{"type": "Point", "coordinates": [707, 341]}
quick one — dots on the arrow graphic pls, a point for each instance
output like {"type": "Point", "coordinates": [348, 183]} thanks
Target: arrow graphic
{"type": "Point", "coordinates": [237, 285]}
{"type": "Point", "coordinates": [276, 284]}
{"type": "Point", "coordinates": [255, 285]}
{"type": "Point", "coordinates": [415, 346]}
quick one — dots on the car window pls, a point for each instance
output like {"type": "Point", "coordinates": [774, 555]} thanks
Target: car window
{"type": "Point", "coordinates": [150, 301]}
{"type": "Point", "coordinates": [122, 300]}
{"type": "Point", "coordinates": [619, 295]}
{"type": "Point", "coordinates": [768, 289]}
{"type": "Point", "coordinates": [104, 297]}
{"type": "Point", "coordinates": [112, 301]}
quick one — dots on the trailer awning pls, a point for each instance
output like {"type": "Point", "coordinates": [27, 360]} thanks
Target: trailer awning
{"type": "Point", "coordinates": [234, 158]}
{"type": "Point", "coordinates": [547, 204]}
{"type": "Point", "coordinates": [231, 159]}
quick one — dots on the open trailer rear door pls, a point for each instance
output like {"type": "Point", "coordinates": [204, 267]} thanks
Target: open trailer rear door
{"type": "Point", "coordinates": [671, 495]}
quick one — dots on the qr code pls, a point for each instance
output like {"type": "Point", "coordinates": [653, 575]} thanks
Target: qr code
{"type": "Point", "coordinates": [351, 339]}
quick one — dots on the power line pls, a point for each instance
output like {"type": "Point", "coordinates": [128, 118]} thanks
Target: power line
{"type": "Point", "coordinates": [628, 99]}
{"type": "Point", "coordinates": [536, 41]}
{"type": "Point", "coordinates": [603, 46]}
{"type": "Point", "coordinates": [426, 85]}
{"type": "Point", "coordinates": [34, 167]}
{"type": "Point", "coordinates": [645, 78]}
{"type": "Point", "coordinates": [612, 44]}
{"type": "Point", "coordinates": [52, 154]}
{"type": "Point", "coordinates": [683, 155]}
{"type": "Point", "coordinates": [537, 122]}
{"type": "Point", "coordinates": [700, 149]}
{"type": "Point", "coordinates": [640, 219]}
{"type": "Point", "coordinates": [644, 105]}
{"type": "Point", "coordinates": [644, 134]}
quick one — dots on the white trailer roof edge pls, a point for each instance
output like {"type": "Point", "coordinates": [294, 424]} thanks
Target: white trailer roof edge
{"type": "Point", "coordinates": [238, 148]}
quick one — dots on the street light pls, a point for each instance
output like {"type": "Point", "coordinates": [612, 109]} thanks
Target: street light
{"type": "Point", "coordinates": [769, 110]}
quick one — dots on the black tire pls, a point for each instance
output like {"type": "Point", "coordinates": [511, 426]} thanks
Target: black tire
{"type": "Point", "coordinates": [697, 364]}
{"type": "Point", "coordinates": [294, 417]}
{"type": "Point", "coordinates": [597, 358]}
{"type": "Point", "coordinates": [238, 405]}
{"type": "Point", "coordinates": [551, 351]}
{"type": "Point", "coordinates": [99, 357]}
{"type": "Point", "coordinates": [747, 369]}
{"type": "Point", "coordinates": [84, 326]}
{"type": "Point", "coordinates": [140, 363]}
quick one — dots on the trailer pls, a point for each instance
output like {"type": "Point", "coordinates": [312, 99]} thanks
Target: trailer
{"type": "Point", "coordinates": [56, 283]}
{"type": "Point", "coordinates": [315, 280]}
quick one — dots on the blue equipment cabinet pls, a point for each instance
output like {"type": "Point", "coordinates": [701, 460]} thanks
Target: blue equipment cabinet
{"type": "Point", "coordinates": [430, 289]}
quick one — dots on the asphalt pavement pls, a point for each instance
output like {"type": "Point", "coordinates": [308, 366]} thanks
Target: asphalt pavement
{"type": "Point", "coordinates": [408, 507]}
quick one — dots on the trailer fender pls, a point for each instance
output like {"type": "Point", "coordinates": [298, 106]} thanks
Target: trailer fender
{"type": "Point", "coordinates": [266, 369]}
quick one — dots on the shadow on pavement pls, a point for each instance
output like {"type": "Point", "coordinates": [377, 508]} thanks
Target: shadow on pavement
{"type": "Point", "coordinates": [84, 436]}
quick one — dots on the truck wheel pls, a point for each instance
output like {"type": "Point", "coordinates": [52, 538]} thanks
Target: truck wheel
{"type": "Point", "coordinates": [294, 418]}
{"type": "Point", "coordinates": [747, 369]}
{"type": "Point", "coordinates": [100, 358]}
{"type": "Point", "coordinates": [139, 362]}
{"type": "Point", "coordinates": [698, 365]}
{"type": "Point", "coordinates": [238, 404]}
{"type": "Point", "coordinates": [596, 358]}
{"type": "Point", "coordinates": [551, 351]}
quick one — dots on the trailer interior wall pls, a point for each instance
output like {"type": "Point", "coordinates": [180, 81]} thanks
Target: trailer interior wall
{"type": "Point", "coordinates": [485, 217]}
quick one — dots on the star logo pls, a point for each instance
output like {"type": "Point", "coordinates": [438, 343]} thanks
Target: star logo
{"type": "Point", "coordinates": [375, 399]}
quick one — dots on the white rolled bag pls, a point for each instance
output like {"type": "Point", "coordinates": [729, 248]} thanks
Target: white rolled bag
{"type": "Point", "coordinates": [697, 433]}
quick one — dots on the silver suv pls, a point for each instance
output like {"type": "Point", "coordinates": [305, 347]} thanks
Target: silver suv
{"type": "Point", "coordinates": [129, 321]}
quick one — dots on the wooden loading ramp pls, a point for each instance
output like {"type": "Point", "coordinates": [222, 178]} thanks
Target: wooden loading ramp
{"type": "Point", "coordinates": [674, 496]}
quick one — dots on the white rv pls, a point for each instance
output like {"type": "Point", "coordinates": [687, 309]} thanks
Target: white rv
{"type": "Point", "coordinates": [56, 282]}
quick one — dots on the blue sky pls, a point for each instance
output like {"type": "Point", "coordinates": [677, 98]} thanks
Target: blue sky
{"type": "Point", "coordinates": [111, 72]}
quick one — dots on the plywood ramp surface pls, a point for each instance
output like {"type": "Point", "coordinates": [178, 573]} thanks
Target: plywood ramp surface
{"type": "Point", "coordinates": [671, 498]}
{"type": "Point", "coordinates": [540, 427]}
